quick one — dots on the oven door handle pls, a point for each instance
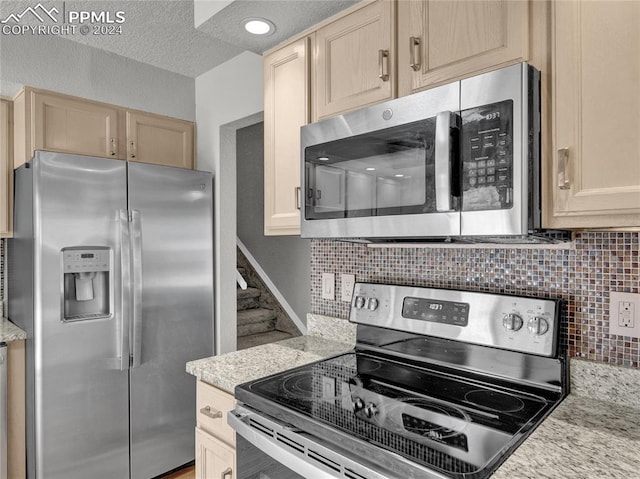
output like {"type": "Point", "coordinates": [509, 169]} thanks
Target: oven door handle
{"type": "Point", "coordinates": [445, 122]}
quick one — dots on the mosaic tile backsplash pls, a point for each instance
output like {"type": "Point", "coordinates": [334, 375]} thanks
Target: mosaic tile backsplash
{"type": "Point", "coordinates": [583, 275]}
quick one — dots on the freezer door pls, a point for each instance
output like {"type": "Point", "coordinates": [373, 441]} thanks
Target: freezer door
{"type": "Point", "coordinates": [78, 420]}
{"type": "Point", "coordinates": [173, 311]}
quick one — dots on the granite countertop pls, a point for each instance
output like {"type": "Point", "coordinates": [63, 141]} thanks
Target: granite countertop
{"type": "Point", "coordinates": [594, 433]}
{"type": "Point", "coordinates": [325, 337]}
{"type": "Point", "coordinates": [229, 370]}
{"type": "Point", "coordinates": [10, 332]}
{"type": "Point", "coordinates": [584, 438]}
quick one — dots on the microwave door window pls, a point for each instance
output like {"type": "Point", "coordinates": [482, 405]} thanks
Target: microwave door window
{"type": "Point", "coordinates": [386, 172]}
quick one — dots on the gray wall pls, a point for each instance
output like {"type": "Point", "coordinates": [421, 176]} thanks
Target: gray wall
{"type": "Point", "coordinates": [285, 259]}
{"type": "Point", "coordinates": [64, 66]}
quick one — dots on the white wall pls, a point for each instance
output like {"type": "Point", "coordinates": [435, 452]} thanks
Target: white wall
{"type": "Point", "coordinates": [57, 64]}
{"type": "Point", "coordinates": [227, 93]}
{"type": "Point", "coordinates": [203, 10]}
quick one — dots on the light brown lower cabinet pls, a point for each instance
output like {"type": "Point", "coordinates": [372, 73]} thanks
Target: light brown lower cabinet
{"type": "Point", "coordinates": [16, 446]}
{"type": "Point", "coordinates": [214, 458]}
{"type": "Point", "coordinates": [215, 439]}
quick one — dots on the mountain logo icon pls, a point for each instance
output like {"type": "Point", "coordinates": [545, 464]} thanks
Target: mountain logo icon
{"type": "Point", "coordinates": [34, 11]}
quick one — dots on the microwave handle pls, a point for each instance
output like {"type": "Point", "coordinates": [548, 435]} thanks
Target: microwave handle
{"type": "Point", "coordinates": [445, 120]}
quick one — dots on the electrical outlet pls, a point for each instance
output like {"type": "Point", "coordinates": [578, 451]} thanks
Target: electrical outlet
{"type": "Point", "coordinates": [626, 314]}
{"type": "Point", "coordinates": [623, 314]}
{"type": "Point", "coordinates": [347, 282]}
{"type": "Point", "coordinates": [329, 286]}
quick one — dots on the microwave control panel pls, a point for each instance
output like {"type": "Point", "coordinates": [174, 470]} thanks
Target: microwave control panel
{"type": "Point", "coordinates": [487, 157]}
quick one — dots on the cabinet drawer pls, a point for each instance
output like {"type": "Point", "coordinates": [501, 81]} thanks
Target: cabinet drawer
{"type": "Point", "coordinates": [212, 408]}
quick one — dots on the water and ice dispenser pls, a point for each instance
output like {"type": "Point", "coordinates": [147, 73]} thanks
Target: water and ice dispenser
{"type": "Point", "coordinates": [87, 283]}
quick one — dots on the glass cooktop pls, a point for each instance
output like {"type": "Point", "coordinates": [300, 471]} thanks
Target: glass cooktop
{"type": "Point", "coordinates": [452, 422]}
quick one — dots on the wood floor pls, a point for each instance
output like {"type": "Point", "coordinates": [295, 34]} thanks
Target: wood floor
{"type": "Point", "coordinates": [186, 473]}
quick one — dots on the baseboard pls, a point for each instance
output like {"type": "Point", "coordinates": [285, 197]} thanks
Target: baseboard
{"type": "Point", "coordinates": [272, 287]}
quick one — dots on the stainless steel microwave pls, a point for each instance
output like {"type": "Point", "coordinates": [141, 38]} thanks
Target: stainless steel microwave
{"type": "Point", "coordinates": [457, 161]}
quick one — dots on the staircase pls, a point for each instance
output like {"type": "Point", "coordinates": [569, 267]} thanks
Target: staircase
{"type": "Point", "coordinates": [257, 324]}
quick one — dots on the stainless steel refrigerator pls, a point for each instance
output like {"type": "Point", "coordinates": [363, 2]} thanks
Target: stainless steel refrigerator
{"type": "Point", "coordinates": [111, 275]}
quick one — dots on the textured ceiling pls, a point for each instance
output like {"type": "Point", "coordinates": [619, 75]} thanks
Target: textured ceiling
{"type": "Point", "coordinates": [161, 32]}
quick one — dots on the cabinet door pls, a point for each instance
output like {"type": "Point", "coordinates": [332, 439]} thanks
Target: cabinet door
{"type": "Point", "coordinates": [6, 170]}
{"type": "Point", "coordinates": [286, 109]}
{"type": "Point", "coordinates": [214, 459]}
{"type": "Point", "coordinates": [160, 140]}
{"type": "Point", "coordinates": [596, 171]}
{"type": "Point", "coordinates": [71, 125]}
{"type": "Point", "coordinates": [355, 61]}
{"type": "Point", "coordinates": [441, 41]}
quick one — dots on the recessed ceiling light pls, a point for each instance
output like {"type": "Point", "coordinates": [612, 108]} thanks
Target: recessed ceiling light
{"type": "Point", "coordinates": [259, 26]}
{"type": "Point", "coordinates": [323, 158]}
{"type": "Point", "coordinates": [399, 176]}
{"type": "Point", "coordinates": [371, 169]}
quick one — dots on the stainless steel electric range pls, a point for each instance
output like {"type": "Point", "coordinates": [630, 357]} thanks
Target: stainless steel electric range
{"type": "Point", "coordinates": [441, 384]}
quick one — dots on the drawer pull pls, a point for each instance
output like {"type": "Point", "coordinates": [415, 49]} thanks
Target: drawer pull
{"type": "Point", "coordinates": [227, 472]}
{"type": "Point", "coordinates": [211, 412]}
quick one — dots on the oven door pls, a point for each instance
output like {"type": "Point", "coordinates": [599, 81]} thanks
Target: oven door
{"type": "Point", "coordinates": [386, 171]}
{"type": "Point", "coordinates": [269, 449]}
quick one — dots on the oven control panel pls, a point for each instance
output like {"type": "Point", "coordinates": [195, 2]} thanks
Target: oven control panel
{"type": "Point", "coordinates": [528, 325]}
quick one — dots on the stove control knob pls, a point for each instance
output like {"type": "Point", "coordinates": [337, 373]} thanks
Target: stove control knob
{"type": "Point", "coordinates": [512, 322]}
{"type": "Point", "coordinates": [359, 302]}
{"type": "Point", "coordinates": [372, 304]}
{"type": "Point", "coordinates": [370, 410]}
{"type": "Point", "coordinates": [538, 326]}
{"type": "Point", "coordinates": [358, 404]}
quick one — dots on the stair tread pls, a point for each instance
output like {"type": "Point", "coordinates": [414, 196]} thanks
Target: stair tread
{"type": "Point", "coordinates": [256, 315]}
{"type": "Point", "coordinates": [248, 293]}
{"type": "Point", "coordinates": [252, 340]}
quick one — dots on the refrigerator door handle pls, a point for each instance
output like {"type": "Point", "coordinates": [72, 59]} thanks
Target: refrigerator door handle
{"type": "Point", "coordinates": [125, 291]}
{"type": "Point", "coordinates": [136, 251]}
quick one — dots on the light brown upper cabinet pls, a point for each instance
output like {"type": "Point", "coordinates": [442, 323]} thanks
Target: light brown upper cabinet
{"type": "Point", "coordinates": [355, 62]}
{"type": "Point", "coordinates": [53, 122]}
{"type": "Point", "coordinates": [6, 170]}
{"type": "Point", "coordinates": [439, 41]}
{"type": "Point", "coordinates": [286, 109]}
{"type": "Point", "coordinates": [45, 120]}
{"type": "Point", "coordinates": [160, 140]}
{"type": "Point", "coordinates": [596, 107]}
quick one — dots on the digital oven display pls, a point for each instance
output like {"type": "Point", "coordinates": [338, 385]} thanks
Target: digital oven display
{"type": "Point", "coordinates": [436, 311]}
{"type": "Point", "coordinates": [87, 255]}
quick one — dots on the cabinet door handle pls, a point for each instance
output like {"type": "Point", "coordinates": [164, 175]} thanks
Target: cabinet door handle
{"type": "Point", "coordinates": [298, 197]}
{"type": "Point", "coordinates": [114, 147]}
{"type": "Point", "coordinates": [227, 472]}
{"type": "Point", "coordinates": [563, 169]}
{"type": "Point", "coordinates": [133, 149]}
{"type": "Point", "coordinates": [383, 64]}
{"type": "Point", "coordinates": [414, 53]}
{"type": "Point", "coordinates": [211, 412]}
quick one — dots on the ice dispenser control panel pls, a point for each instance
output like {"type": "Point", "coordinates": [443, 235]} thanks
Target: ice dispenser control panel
{"type": "Point", "coordinates": [85, 260]}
